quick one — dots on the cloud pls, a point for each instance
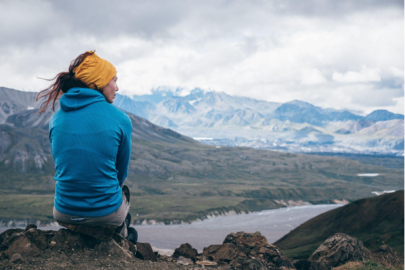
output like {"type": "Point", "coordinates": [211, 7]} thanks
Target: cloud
{"type": "Point", "coordinates": [364, 75]}
{"type": "Point", "coordinates": [273, 50]}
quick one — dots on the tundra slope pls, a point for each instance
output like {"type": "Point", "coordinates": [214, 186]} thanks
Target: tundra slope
{"type": "Point", "coordinates": [376, 221]}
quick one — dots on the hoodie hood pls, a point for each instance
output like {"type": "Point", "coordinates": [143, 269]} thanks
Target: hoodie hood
{"type": "Point", "coordinates": [77, 98]}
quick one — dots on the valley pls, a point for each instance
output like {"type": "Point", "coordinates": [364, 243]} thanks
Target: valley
{"type": "Point", "coordinates": [174, 178]}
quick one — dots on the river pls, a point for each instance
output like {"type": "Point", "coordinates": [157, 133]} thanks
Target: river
{"type": "Point", "coordinates": [273, 224]}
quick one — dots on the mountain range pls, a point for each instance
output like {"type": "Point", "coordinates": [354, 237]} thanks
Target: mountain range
{"type": "Point", "coordinates": [220, 119]}
{"type": "Point", "coordinates": [173, 177]}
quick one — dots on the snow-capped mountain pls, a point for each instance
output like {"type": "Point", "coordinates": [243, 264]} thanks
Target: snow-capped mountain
{"type": "Point", "coordinates": [295, 126]}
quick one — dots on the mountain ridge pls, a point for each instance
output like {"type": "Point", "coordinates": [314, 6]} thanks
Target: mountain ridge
{"type": "Point", "coordinates": [223, 118]}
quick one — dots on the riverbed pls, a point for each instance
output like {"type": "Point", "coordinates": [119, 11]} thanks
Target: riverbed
{"type": "Point", "coordinates": [273, 224]}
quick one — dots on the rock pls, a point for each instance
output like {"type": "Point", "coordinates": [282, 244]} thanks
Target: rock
{"type": "Point", "coordinates": [210, 250]}
{"type": "Point", "coordinates": [145, 252]}
{"type": "Point", "coordinates": [3, 255]}
{"type": "Point", "coordinates": [309, 265]}
{"type": "Point", "coordinates": [30, 226]}
{"type": "Point", "coordinates": [22, 245]}
{"type": "Point", "coordinates": [104, 233]}
{"type": "Point", "coordinates": [339, 249]}
{"type": "Point", "coordinates": [112, 248]}
{"type": "Point", "coordinates": [66, 240]}
{"type": "Point", "coordinates": [37, 237]}
{"type": "Point", "coordinates": [16, 258]}
{"type": "Point", "coordinates": [185, 250]}
{"type": "Point", "coordinates": [248, 264]}
{"type": "Point", "coordinates": [227, 252]}
{"type": "Point", "coordinates": [184, 261]}
{"type": "Point", "coordinates": [208, 263]}
{"type": "Point", "coordinates": [247, 251]}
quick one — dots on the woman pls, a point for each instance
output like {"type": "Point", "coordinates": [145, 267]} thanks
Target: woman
{"type": "Point", "coordinates": [91, 145]}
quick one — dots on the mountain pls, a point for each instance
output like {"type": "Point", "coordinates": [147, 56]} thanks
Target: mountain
{"type": "Point", "coordinates": [303, 112]}
{"type": "Point", "coordinates": [14, 101]}
{"type": "Point", "coordinates": [173, 177]}
{"type": "Point", "coordinates": [240, 121]}
{"type": "Point", "coordinates": [140, 108]}
{"type": "Point", "coordinates": [383, 115]}
{"type": "Point", "coordinates": [375, 221]}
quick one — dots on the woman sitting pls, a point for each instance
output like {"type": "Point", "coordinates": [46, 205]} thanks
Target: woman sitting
{"type": "Point", "coordinates": [91, 145]}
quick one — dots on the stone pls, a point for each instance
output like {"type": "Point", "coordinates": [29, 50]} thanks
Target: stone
{"type": "Point", "coordinates": [16, 258]}
{"type": "Point", "coordinates": [37, 237]}
{"type": "Point", "coordinates": [210, 250]}
{"type": "Point", "coordinates": [248, 264]}
{"type": "Point", "coordinates": [3, 256]}
{"type": "Point", "coordinates": [309, 265]}
{"type": "Point", "coordinates": [145, 252]}
{"type": "Point", "coordinates": [185, 250]}
{"type": "Point", "coordinates": [112, 248]}
{"type": "Point", "coordinates": [103, 233]}
{"type": "Point", "coordinates": [30, 226]}
{"type": "Point", "coordinates": [66, 240]}
{"type": "Point", "coordinates": [340, 249]}
{"type": "Point", "coordinates": [184, 261]}
{"type": "Point", "coordinates": [22, 245]}
{"type": "Point", "coordinates": [247, 250]}
{"type": "Point", "coordinates": [227, 252]}
{"type": "Point", "coordinates": [207, 263]}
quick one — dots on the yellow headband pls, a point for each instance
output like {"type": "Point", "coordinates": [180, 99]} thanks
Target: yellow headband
{"type": "Point", "coordinates": [95, 71]}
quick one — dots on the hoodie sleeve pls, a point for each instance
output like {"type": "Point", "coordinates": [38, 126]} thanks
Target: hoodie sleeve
{"type": "Point", "coordinates": [124, 150]}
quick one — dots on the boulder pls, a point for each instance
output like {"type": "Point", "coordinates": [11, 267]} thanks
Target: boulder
{"type": "Point", "coordinates": [244, 263]}
{"type": "Point", "coordinates": [22, 245]}
{"type": "Point", "coordinates": [104, 233]}
{"type": "Point", "coordinates": [187, 251]}
{"type": "Point", "coordinates": [30, 226]}
{"type": "Point", "coordinates": [309, 265]}
{"type": "Point", "coordinates": [184, 261]}
{"type": "Point", "coordinates": [340, 249]}
{"type": "Point", "coordinates": [247, 251]}
{"type": "Point", "coordinates": [16, 258]}
{"type": "Point", "coordinates": [145, 252]}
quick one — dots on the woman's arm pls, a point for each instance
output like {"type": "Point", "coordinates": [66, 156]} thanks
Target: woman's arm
{"type": "Point", "coordinates": [124, 150]}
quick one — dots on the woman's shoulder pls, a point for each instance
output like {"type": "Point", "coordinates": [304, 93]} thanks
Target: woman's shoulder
{"type": "Point", "coordinates": [119, 115]}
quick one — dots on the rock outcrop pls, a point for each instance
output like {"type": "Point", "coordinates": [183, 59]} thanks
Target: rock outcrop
{"type": "Point", "coordinates": [18, 245]}
{"type": "Point", "coordinates": [247, 251]}
{"type": "Point", "coordinates": [340, 249]}
{"type": "Point", "coordinates": [186, 251]}
{"type": "Point", "coordinates": [36, 249]}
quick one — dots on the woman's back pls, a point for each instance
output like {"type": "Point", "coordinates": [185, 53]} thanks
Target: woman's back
{"type": "Point", "coordinates": [90, 141]}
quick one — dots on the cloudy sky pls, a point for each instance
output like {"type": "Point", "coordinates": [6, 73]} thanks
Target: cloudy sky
{"type": "Point", "coordinates": [339, 54]}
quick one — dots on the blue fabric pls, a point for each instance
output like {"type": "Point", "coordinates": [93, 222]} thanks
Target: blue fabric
{"type": "Point", "coordinates": [91, 146]}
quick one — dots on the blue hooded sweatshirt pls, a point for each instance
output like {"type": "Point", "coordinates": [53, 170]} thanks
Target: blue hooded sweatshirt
{"type": "Point", "coordinates": [91, 145]}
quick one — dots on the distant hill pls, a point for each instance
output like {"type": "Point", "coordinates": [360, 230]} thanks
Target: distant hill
{"type": "Point", "coordinates": [383, 115]}
{"type": "Point", "coordinates": [373, 220]}
{"type": "Point", "coordinates": [13, 101]}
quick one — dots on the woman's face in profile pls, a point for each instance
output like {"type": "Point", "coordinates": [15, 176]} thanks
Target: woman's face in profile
{"type": "Point", "coordinates": [110, 89]}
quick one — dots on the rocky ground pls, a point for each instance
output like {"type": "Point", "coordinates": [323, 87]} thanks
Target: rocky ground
{"type": "Point", "coordinates": [102, 249]}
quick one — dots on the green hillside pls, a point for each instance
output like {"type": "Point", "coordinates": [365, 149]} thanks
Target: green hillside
{"type": "Point", "coordinates": [173, 177]}
{"type": "Point", "coordinates": [374, 220]}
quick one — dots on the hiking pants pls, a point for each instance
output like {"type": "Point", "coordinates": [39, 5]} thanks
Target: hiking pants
{"type": "Point", "coordinates": [116, 219]}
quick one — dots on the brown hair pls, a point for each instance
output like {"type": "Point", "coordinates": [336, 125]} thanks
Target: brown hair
{"type": "Point", "coordinates": [63, 82]}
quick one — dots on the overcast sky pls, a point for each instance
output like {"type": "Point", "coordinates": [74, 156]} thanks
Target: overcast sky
{"type": "Point", "coordinates": [339, 54]}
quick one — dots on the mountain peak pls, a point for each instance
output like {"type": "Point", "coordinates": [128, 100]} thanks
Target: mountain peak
{"type": "Point", "coordinates": [383, 115]}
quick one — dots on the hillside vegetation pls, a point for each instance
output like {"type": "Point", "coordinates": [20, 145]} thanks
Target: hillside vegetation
{"type": "Point", "coordinates": [173, 177]}
{"type": "Point", "coordinates": [374, 220]}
